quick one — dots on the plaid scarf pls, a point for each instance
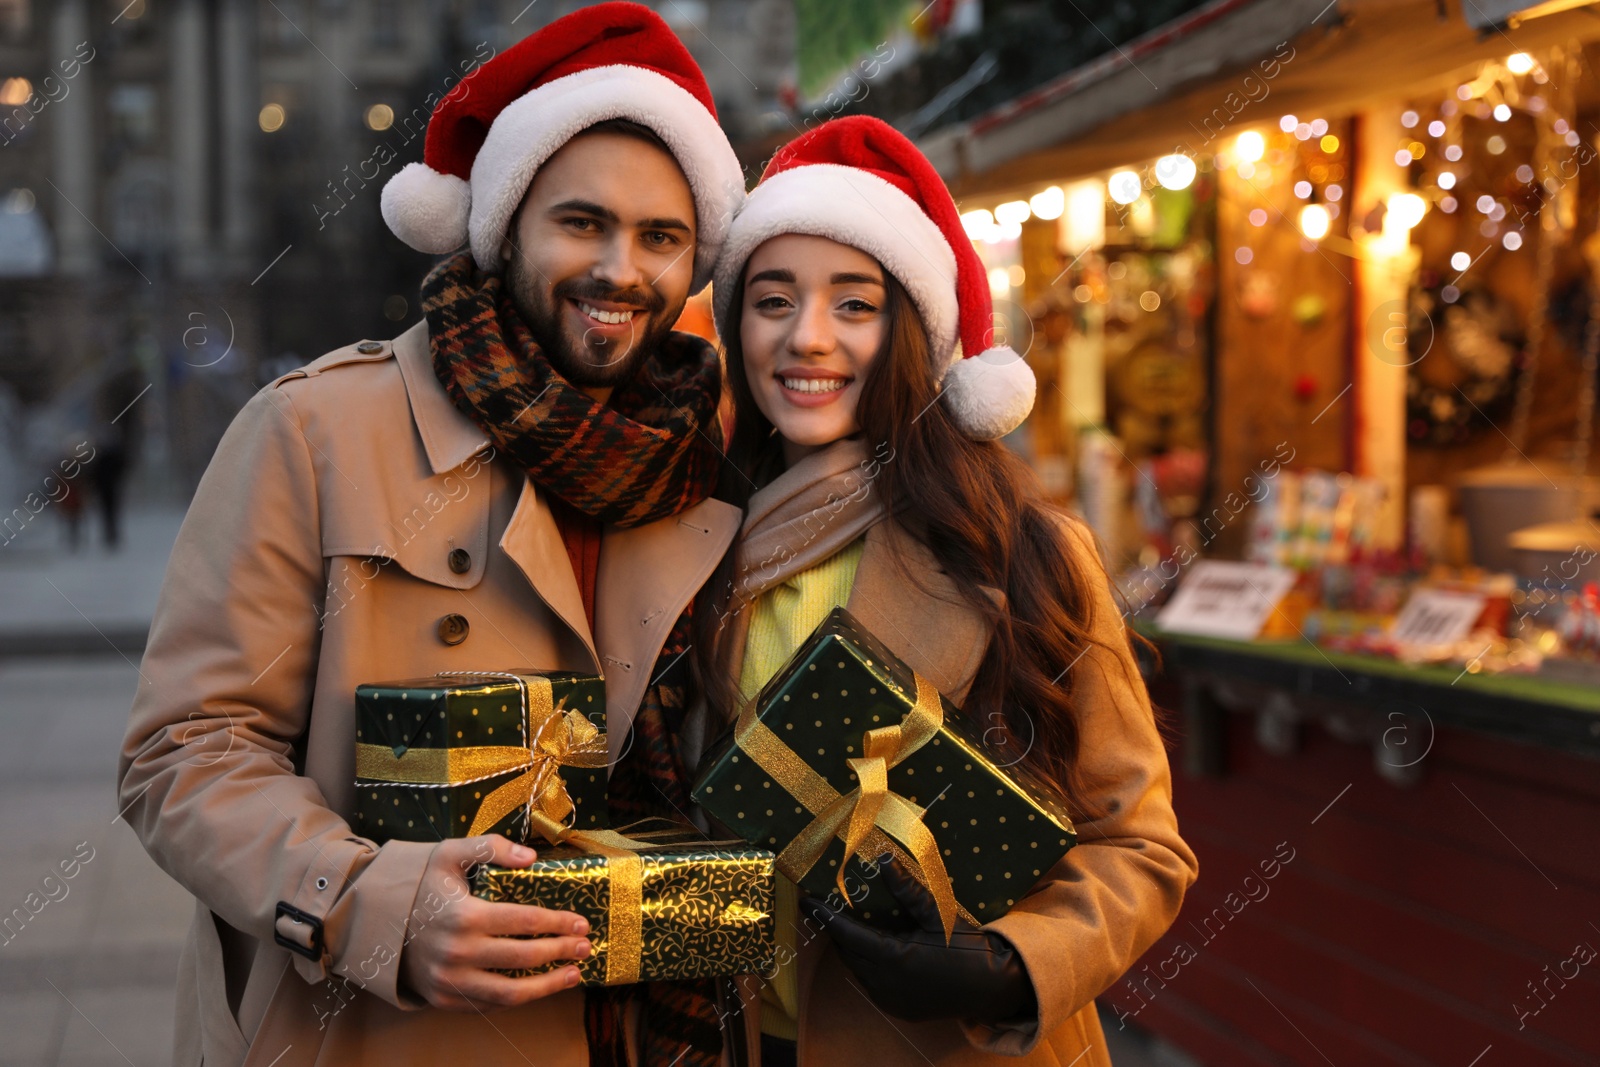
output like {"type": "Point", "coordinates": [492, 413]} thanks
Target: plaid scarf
{"type": "Point", "coordinates": [645, 456]}
{"type": "Point", "coordinates": [679, 1023]}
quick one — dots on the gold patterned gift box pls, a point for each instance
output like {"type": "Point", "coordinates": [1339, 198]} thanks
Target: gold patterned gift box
{"type": "Point", "coordinates": [462, 754]}
{"type": "Point", "coordinates": [847, 743]}
{"type": "Point", "coordinates": [668, 908]}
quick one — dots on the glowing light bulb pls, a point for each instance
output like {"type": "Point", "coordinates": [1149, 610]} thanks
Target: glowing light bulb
{"type": "Point", "coordinates": [1124, 186]}
{"type": "Point", "coordinates": [1012, 212]}
{"type": "Point", "coordinates": [1314, 221]}
{"type": "Point", "coordinates": [1176, 171]}
{"type": "Point", "coordinates": [1460, 261]}
{"type": "Point", "coordinates": [1049, 203]}
{"type": "Point", "coordinates": [1250, 146]}
{"type": "Point", "coordinates": [1407, 209]}
{"type": "Point", "coordinates": [977, 223]}
{"type": "Point", "coordinates": [1519, 62]}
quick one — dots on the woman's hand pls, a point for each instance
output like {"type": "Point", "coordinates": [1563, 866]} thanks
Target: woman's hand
{"type": "Point", "coordinates": [914, 975]}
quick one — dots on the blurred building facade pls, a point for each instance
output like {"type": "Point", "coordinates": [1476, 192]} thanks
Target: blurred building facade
{"type": "Point", "coordinates": [191, 187]}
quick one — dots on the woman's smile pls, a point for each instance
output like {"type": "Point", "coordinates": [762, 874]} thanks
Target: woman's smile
{"type": "Point", "coordinates": [809, 387]}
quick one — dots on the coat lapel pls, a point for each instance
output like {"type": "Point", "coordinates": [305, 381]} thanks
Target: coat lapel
{"type": "Point", "coordinates": [917, 612]}
{"type": "Point", "coordinates": [647, 575]}
{"type": "Point", "coordinates": [533, 541]}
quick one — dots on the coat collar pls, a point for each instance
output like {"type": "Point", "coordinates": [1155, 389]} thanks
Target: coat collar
{"type": "Point", "coordinates": [449, 436]}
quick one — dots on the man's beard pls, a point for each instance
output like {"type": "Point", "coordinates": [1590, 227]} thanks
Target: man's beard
{"type": "Point", "coordinates": [584, 361]}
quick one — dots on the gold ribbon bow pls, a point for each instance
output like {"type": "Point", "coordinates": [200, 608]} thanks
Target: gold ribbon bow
{"type": "Point", "coordinates": [867, 816]}
{"type": "Point", "coordinates": [562, 740]}
{"type": "Point", "coordinates": [555, 739]}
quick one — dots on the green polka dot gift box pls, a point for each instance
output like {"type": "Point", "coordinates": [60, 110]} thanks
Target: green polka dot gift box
{"type": "Point", "coordinates": [848, 743]}
{"type": "Point", "coordinates": [462, 754]}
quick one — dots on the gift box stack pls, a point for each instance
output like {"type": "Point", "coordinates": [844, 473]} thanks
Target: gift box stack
{"type": "Point", "coordinates": [524, 754]}
{"type": "Point", "coordinates": [847, 741]}
{"type": "Point", "coordinates": [457, 755]}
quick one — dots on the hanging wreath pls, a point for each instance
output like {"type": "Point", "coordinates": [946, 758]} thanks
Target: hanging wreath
{"type": "Point", "coordinates": [1479, 334]}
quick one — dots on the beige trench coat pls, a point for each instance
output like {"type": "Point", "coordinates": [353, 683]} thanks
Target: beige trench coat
{"type": "Point", "coordinates": [318, 555]}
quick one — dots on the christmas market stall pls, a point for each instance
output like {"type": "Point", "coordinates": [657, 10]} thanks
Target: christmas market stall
{"type": "Point", "coordinates": [1312, 293]}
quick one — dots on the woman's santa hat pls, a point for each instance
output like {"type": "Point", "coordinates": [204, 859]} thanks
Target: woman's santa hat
{"type": "Point", "coordinates": [858, 181]}
{"type": "Point", "coordinates": [501, 122]}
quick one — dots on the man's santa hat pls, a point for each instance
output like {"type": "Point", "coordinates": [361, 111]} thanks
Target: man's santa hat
{"type": "Point", "coordinates": [860, 182]}
{"type": "Point", "coordinates": [499, 125]}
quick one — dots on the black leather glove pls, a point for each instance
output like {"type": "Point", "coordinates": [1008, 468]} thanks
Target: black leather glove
{"type": "Point", "coordinates": [914, 975]}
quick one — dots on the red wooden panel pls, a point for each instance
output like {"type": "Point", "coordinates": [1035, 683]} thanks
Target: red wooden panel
{"type": "Point", "coordinates": [1405, 927]}
{"type": "Point", "coordinates": [1202, 1034]}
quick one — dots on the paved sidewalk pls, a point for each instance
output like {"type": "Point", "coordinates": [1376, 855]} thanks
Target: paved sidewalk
{"type": "Point", "coordinates": [53, 601]}
{"type": "Point", "coordinates": [87, 974]}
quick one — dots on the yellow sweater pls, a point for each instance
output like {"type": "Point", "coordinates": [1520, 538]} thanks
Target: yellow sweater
{"type": "Point", "coordinates": [782, 618]}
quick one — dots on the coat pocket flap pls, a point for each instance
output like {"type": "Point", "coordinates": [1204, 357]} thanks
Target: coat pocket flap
{"type": "Point", "coordinates": [438, 533]}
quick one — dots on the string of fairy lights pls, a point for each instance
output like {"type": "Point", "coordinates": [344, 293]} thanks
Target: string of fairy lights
{"type": "Point", "coordinates": [1429, 149]}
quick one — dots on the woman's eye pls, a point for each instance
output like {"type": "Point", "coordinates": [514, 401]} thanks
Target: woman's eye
{"type": "Point", "coordinates": [860, 306]}
{"type": "Point", "coordinates": [771, 303]}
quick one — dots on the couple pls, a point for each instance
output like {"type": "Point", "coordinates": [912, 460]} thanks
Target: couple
{"type": "Point", "coordinates": [537, 476]}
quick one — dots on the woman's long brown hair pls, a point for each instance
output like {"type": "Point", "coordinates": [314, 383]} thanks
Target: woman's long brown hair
{"type": "Point", "coordinates": [979, 509]}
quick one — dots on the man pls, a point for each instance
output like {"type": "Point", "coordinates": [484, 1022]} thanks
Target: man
{"type": "Point", "coordinates": [519, 481]}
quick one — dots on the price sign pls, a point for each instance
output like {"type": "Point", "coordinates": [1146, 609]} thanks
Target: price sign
{"type": "Point", "coordinates": [1224, 599]}
{"type": "Point", "coordinates": [1435, 617]}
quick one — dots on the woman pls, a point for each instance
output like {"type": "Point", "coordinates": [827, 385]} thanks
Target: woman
{"type": "Point", "coordinates": [868, 463]}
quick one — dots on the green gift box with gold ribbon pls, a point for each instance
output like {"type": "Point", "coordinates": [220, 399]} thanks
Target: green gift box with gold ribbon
{"type": "Point", "coordinates": [462, 753]}
{"type": "Point", "coordinates": [662, 906]}
{"type": "Point", "coordinates": [848, 754]}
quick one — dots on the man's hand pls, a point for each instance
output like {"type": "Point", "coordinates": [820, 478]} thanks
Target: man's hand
{"type": "Point", "coordinates": [450, 959]}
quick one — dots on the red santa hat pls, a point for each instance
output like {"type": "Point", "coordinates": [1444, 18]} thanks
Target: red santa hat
{"type": "Point", "coordinates": [858, 181]}
{"type": "Point", "coordinates": [501, 122]}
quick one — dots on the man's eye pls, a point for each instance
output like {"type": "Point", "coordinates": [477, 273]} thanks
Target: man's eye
{"type": "Point", "coordinates": [581, 224]}
{"type": "Point", "coordinates": [660, 238]}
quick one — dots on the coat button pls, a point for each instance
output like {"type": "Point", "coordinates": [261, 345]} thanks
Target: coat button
{"type": "Point", "coordinates": [453, 629]}
{"type": "Point", "coordinates": [369, 348]}
{"type": "Point", "coordinates": [460, 560]}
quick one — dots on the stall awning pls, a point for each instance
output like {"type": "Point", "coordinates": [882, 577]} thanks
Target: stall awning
{"type": "Point", "coordinates": [1206, 75]}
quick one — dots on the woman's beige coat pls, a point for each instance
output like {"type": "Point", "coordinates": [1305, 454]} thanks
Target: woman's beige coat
{"type": "Point", "coordinates": [324, 549]}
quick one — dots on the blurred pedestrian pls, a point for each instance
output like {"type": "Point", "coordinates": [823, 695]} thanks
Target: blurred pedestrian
{"type": "Point", "coordinates": [116, 441]}
{"type": "Point", "coordinates": [69, 490]}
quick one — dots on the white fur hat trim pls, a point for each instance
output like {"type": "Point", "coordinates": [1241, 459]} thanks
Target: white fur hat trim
{"type": "Point", "coordinates": [530, 130]}
{"type": "Point", "coordinates": [858, 209]}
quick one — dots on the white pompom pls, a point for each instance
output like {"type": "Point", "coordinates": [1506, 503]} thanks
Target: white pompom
{"type": "Point", "coordinates": [989, 394]}
{"type": "Point", "coordinates": [426, 209]}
